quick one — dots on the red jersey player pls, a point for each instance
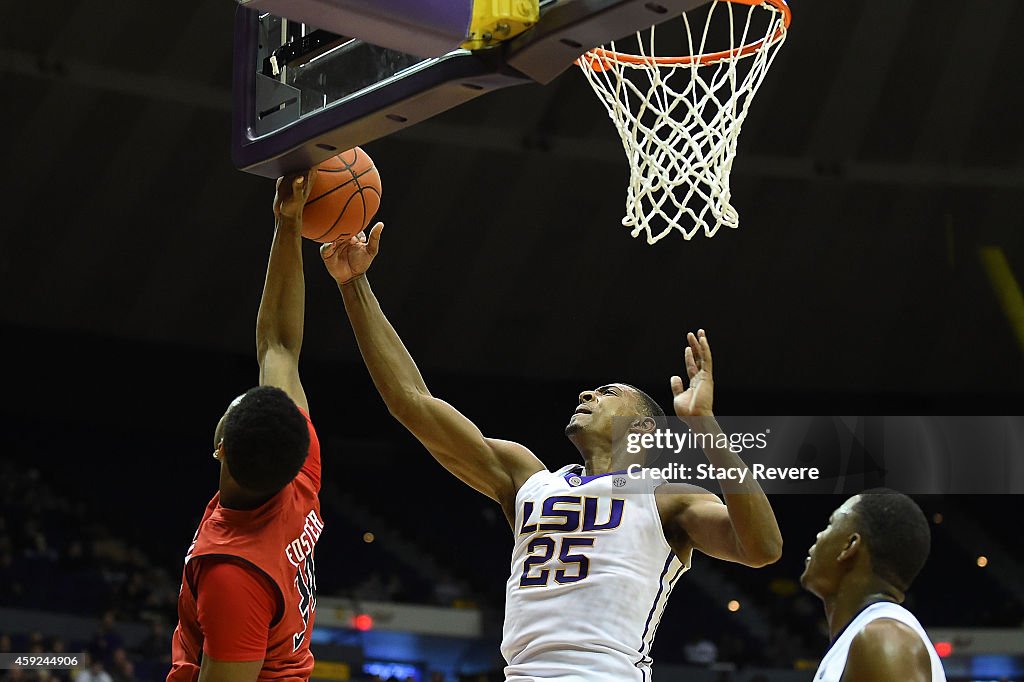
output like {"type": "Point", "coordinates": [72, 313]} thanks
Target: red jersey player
{"type": "Point", "coordinates": [247, 600]}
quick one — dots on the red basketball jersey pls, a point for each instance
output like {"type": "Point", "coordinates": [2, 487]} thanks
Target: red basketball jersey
{"type": "Point", "coordinates": [277, 541]}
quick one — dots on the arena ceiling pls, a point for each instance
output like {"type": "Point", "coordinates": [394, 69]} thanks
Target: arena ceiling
{"type": "Point", "coordinates": [883, 152]}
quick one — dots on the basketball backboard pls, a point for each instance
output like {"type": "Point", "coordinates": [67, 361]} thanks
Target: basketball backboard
{"type": "Point", "coordinates": [303, 93]}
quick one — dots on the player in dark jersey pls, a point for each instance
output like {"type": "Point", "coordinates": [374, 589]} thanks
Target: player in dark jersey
{"type": "Point", "coordinates": [247, 600]}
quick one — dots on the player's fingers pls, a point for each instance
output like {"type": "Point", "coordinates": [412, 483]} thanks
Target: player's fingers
{"type": "Point", "coordinates": [293, 182]}
{"type": "Point", "coordinates": [676, 382]}
{"type": "Point", "coordinates": [327, 250]}
{"type": "Point", "coordinates": [705, 349]}
{"type": "Point", "coordinates": [691, 339]}
{"type": "Point", "coordinates": [691, 365]}
{"type": "Point", "coordinates": [374, 242]}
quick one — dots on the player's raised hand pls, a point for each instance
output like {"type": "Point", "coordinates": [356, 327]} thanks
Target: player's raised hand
{"type": "Point", "coordinates": [695, 400]}
{"type": "Point", "coordinates": [349, 258]}
{"type": "Point", "coordinates": [292, 191]}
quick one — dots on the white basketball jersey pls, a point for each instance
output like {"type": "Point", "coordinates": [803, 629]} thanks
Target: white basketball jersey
{"type": "Point", "coordinates": [591, 573]}
{"type": "Point", "coordinates": [834, 663]}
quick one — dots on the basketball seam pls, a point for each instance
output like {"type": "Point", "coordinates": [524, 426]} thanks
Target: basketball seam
{"type": "Point", "coordinates": [341, 213]}
{"type": "Point", "coordinates": [355, 177]}
{"type": "Point", "coordinates": [358, 192]}
{"type": "Point", "coordinates": [346, 166]}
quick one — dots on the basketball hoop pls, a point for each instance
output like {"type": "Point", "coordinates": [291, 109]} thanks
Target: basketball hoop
{"type": "Point", "coordinates": [680, 117]}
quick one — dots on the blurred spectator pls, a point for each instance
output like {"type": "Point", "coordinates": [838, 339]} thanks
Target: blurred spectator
{"type": "Point", "coordinates": [732, 648]}
{"type": "Point", "coordinates": [106, 640]}
{"type": "Point", "coordinates": [157, 645]}
{"type": "Point", "coordinates": [5, 643]}
{"type": "Point", "coordinates": [74, 558]}
{"type": "Point", "coordinates": [36, 644]}
{"type": "Point", "coordinates": [702, 652]}
{"type": "Point", "coordinates": [14, 675]}
{"type": "Point", "coordinates": [376, 588]}
{"type": "Point", "coordinates": [11, 588]}
{"type": "Point", "coordinates": [93, 673]}
{"type": "Point", "coordinates": [372, 589]}
{"type": "Point", "coordinates": [447, 590]}
{"type": "Point", "coordinates": [121, 669]}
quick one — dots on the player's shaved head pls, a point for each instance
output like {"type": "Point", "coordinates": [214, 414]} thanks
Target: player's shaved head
{"type": "Point", "coordinates": [646, 405]}
{"type": "Point", "coordinates": [896, 533]}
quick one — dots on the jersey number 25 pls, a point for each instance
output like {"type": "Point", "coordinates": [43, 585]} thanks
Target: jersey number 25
{"type": "Point", "coordinates": [541, 550]}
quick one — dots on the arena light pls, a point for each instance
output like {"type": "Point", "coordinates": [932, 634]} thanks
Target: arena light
{"type": "Point", "coordinates": [363, 622]}
{"type": "Point", "coordinates": [943, 649]}
{"type": "Point", "coordinates": [733, 606]}
{"type": "Point", "coordinates": [982, 561]}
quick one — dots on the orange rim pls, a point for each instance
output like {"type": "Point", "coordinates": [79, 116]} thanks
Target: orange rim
{"type": "Point", "coordinates": [594, 58]}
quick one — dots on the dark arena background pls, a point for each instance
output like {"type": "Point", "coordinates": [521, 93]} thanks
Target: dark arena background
{"type": "Point", "coordinates": [880, 183]}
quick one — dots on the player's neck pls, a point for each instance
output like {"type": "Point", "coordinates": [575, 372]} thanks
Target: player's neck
{"type": "Point", "coordinates": [600, 461]}
{"type": "Point", "coordinates": [602, 455]}
{"type": "Point", "coordinates": [242, 502]}
{"type": "Point", "coordinates": [850, 600]}
{"type": "Point", "coordinates": [233, 496]}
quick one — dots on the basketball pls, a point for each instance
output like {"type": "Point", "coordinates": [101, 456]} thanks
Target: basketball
{"type": "Point", "coordinates": [344, 198]}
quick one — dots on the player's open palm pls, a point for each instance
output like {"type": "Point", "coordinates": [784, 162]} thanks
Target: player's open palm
{"type": "Point", "coordinates": [695, 400]}
{"type": "Point", "coordinates": [349, 258]}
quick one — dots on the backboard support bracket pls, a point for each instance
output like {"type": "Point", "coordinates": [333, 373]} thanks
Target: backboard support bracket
{"type": "Point", "coordinates": [568, 28]}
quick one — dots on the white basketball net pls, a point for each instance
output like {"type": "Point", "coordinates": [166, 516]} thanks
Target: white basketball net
{"type": "Point", "coordinates": [680, 122]}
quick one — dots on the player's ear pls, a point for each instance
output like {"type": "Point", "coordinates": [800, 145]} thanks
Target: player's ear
{"type": "Point", "coordinates": [642, 425]}
{"type": "Point", "coordinates": [852, 547]}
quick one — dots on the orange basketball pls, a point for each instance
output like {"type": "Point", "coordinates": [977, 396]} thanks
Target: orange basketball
{"type": "Point", "coordinates": [344, 198]}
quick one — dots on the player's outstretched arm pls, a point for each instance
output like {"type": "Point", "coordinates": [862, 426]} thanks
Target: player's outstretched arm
{"type": "Point", "coordinates": [496, 468]}
{"type": "Point", "coordinates": [886, 649]}
{"type": "Point", "coordinates": [280, 320]}
{"type": "Point", "coordinates": [744, 529]}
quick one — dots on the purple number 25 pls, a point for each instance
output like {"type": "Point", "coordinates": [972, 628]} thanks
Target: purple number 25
{"type": "Point", "coordinates": [542, 549]}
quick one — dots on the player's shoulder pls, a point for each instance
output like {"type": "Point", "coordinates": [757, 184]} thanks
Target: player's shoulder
{"type": "Point", "coordinates": [675, 498]}
{"type": "Point", "coordinates": [882, 630]}
{"type": "Point", "coordinates": [517, 460]}
{"type": "Point", "coordinates": [886, 646]}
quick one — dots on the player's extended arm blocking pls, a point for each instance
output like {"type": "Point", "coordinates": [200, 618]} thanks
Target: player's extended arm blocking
{"type": "Point", "coordinates": [279, 324]}
{"type": "Point", "coordinates": [493, 467]}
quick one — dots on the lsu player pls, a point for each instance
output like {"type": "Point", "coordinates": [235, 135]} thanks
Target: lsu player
{"type": "Point", "coordinates": [591, 569]}
{"type": "Point", "coordinates": [861, 566]}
